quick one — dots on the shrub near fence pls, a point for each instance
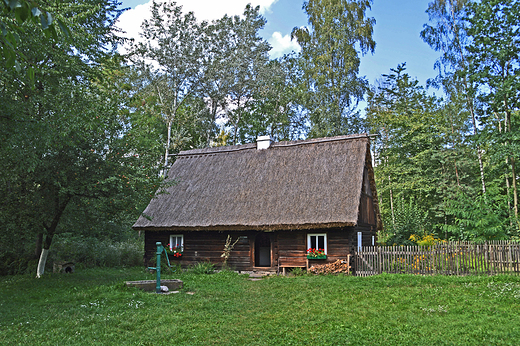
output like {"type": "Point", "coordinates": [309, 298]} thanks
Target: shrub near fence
{"type": "Point", "coordinates": [453, 258]}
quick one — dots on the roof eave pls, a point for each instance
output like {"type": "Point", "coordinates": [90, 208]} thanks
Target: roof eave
{"type": "Point", "coordinates": [265, 228]}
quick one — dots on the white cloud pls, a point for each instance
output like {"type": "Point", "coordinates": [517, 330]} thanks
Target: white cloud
{"type": "Point", "coordinates": [282, 45]}
{"type": "Point", "coordinates": [215, 9]}
{"type": "Point", "coordinates": [130, 21]}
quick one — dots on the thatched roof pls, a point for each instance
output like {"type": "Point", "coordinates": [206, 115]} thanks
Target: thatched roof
{"type": "Point", "coordinates": [307, 184]}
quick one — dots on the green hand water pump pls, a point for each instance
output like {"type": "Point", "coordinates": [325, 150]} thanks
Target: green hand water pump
{"type": "Point", "coordinates": [157, 268]}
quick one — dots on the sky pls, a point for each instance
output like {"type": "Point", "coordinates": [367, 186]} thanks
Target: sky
{"type": "Point", "coordinates": [396, 33]}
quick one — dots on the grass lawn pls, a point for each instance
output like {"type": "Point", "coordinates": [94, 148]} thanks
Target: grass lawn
{"type": "Point", "coordinates": [93, 307]}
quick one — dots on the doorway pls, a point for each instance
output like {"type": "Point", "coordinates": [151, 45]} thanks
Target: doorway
{"type": "Point", "coordinates": [262, 250]}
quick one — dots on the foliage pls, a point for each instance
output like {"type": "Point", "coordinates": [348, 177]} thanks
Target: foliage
{"type": "Point", "coordinates": [478, 70]}
{"type": "Point", "coordinates": [416, 164]}
{"type": "Point", "coordinates": [89, 252]}
{"type": "Point", "coordinates": [208, 78]}
{"type": "Point", "coordinates": [202, 268]}
{"type": "Point", "coordinates": [243, 59]}
{"type": "Point", "coordinates": [85, 251]}
{"type": "Point", "coordinates": [409, 220]}
{"type": "Point", "coordinates": [93, 305]}
{"type": "Point", "coordinates": [495, 70]}
{"type": "Point", "coordinates": [338, 31]}
{"type": "Point", "coordinates": [449, 36]}
{"type": "Point", "coordinates": [298, 271]}
{"type": "Point", "coordinates": [477, 219]}
{"type": "Point", "coordinates": [15, 17]}
{"type": "Point", "coordinates": [169, 61]}
{"type": "Point", "coordinates": [277, 108]}
{"type": "Point", "coordinates": [68, 142]}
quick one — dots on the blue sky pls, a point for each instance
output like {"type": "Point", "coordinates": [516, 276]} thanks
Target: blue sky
{"type": "Point", "coordinates": [397, 29]}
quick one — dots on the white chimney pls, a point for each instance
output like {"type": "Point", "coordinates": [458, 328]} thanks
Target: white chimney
{"type": "Point", "coordinates": [263, 142]}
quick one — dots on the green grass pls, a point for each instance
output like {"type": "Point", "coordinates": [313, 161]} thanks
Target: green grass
{"type": "Point", "coordinates": [93, 307]}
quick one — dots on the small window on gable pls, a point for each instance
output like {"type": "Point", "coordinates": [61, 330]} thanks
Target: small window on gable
{"type": "Point", "coordinates": [317, 241]}
{"type": "Point", "coordinates": [176, 241]}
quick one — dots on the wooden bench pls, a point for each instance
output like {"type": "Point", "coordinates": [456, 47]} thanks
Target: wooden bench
{"type": "Point", "coordinates": [291, 263]}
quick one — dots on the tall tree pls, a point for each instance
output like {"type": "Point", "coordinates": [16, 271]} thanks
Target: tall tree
{"type": "Point", "coordinates": [338, 31]}
{"type": "Point", "coordinates": [172, 52]}
{"type": "Point", "coordinates": [495, 69]}
{"type": "Point", "coordinates": [415, 156]}
{"type": "Point", "coordinates": [277, 109]}
{"type": "Point", "coordinates": [242, 58]}
{"type": "Point", "coordinates": [448, 35]}
{"type": "Point", "coordinates": [14, 14]}
{"type": "Point", "coordinates": [66, 138]}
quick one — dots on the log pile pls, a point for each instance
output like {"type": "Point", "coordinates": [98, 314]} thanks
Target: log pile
{"type": "Point", "coordinates": [340, 266]}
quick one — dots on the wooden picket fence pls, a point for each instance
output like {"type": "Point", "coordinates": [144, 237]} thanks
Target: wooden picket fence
{"type": "Point", "coordinates": [453, 258]}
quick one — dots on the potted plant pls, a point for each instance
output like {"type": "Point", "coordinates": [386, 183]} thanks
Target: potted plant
{"type": "Point", "coordinates": [175, 252]}
{"type": "Point", "coordinates": [316, 254]}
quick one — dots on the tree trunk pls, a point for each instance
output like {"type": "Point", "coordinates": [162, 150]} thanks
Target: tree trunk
{"type": "Point", "coordinates": [38, 248]}
{"type": "Point", "coordinates": [513, 169]}
{"type": "Point", "coordinates": [167, 151]}
{"type": "Point", "coordinates": [51, 230]}
{"type": "Point", "coordinates": [41, 263]}
{"type": "Point", "coordinates": [391, 201]}
{"type": "Point", "coordinates": [479, 152]}
{"type": "Point", "coordinates": [515, 191]}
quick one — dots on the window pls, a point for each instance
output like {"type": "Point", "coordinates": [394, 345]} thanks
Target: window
{"type": "Point", "coordinates": [317, 241]}
{"type": "Point", "coordinates": [177, 241]}
{"type": "Point", "coordinates": [359, 240]}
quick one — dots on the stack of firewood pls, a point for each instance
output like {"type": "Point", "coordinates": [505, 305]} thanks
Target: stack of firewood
{"type": "Point", "coordinates": [340, 266]}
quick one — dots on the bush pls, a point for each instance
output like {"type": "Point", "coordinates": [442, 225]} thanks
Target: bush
{"type": "Point", "coordinates": [298, 271]}
{"type": "Point", "coordinates": [203, 268]}
{"type": "Point", "coordinates": [91, 252]}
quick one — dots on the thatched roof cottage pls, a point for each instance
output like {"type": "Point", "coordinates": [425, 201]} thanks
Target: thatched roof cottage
{"type": "Point", "coordinates": [277, 199]}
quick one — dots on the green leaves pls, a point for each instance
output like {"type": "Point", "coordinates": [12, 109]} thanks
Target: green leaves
{"type": "Point", "coordinates": [330, 62]}
{"type": "Point", "coordinates": [24, 12]}
{"type": "Point", "coordinates": [46, 20]}
{"type": "Point", "coordinates": [67, 138]}
{"type": "Point", "coordinates": [418, 151]}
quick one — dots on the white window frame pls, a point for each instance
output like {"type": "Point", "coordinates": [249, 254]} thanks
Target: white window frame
{"type": "Point", "coordinates": [324, 235]}
{"type": "Point", "coordinates": [359, 240]}
{"type": "Point", "coordinates": [172, 236]}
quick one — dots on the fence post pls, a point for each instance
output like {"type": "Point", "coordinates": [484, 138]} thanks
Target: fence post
{"type": "Point", "coordinates": [488, 258]}
{"type": "Point", "coordinates": [380, 260]}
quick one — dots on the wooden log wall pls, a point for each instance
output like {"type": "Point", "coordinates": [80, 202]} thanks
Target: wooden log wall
{"type": "Point", "coordinates": [293, 246]}
{"type": "Point", "coordinates": [367, 231]}
{"type": "Point", "coordinates": [367, 213]}
{"type": "Point", "coordinates": [202, 246]}
{"type": "Point", "coordinates": [288, 248]}
{"type": "Point", "coordinates": [292, 250]}
{"type": "Point", "coordinates": [208, 247]}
